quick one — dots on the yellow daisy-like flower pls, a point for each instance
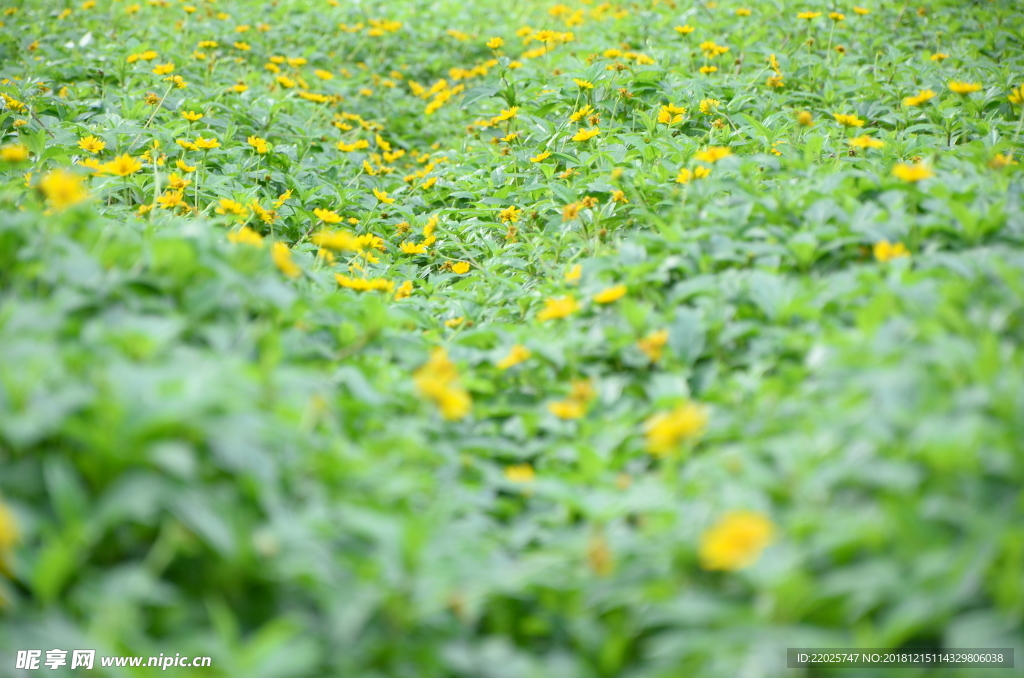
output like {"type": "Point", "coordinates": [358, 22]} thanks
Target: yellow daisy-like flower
{"type": "Point", "coordinates": [713, 154]}
{"type": "Point", "coordinates": [191, 116]}
{"type": "Point", "coordinates": [1017, 95]}
{"type": "Point", "coordinates": [383, 196]}
{"type": "Point", "coordinates": [611, 294]}
{"type": "Point", "coordinates": [91, 144]}
{"type": "Point", "coordinates": [912, 173]}
{"type": "Point", "coordinates": [667, 430]}
{"type": "Point", "coordinates": [62, 189]}
{"type": "Point", "coordinates": [122, 166]}
{"type": "Point", "coordinates": [460, 267]}
{"type": "Point", "coordinates": [14, 153]}
{"type": "Point", "coordinates": [583, 84]}
{"type": "Point", "coordinates": [517, 354]}
{"type": "Point", "coordinates": [586, 134]}
{"type": "Point", "coordinates": [561, 307]}
{"type": "Point", "coordinates": [568, 409]}
{"type": "Point", "coordinates": [520, 473]}
{"type": "Point", "coordinates": [327, 216]}
{"type": "Point", "coordinates": [848, 120]}
{"type": "Point", "coordinates": [736, 541]}
{"type": "Point", "coordinates": [887, 251]}
{"type": "Point", "coordinates": [807, 16]}
{"type": "Point", "coordinates": [245, 236]}
{"type": "Point", "coordinates": [865, 141]}
{"type": "Point", "coordinates": [963, 88]}
{"type": "Point", "coordinates": [282, 257]}
{"type": "Point", "coordinates": [540, 157]}
{"type": "Point", "coordinates": [653, 344]}
{"type": "Point", "coordinates": [670, 114]}
{"type": "Point", "coordinates": [685, 29]}
{"type": "Point", "coordinates": [919, 98]}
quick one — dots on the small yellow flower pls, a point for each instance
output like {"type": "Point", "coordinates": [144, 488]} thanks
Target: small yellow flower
{"type": "Point", "coordinates": [8, 531]}
{"type": "Point", "coordinates": [921, 97]}
{"type": "Point", "coordinates": [574, 273]}
{"type": "Point", "coordinates": [939, 56]}
{"type": "Point", "coordinates": [163, 69]}
{"type": "Point", "coordinates": [886, 251]}
{"type": "Point", "coordinates": [685, 29]}
{"type": "Point", "coordinates": [206, 144]}
{"type": "Point", "coordinates": [122, 166]}
{"type": "Point", "coordinates": [653, 344]}
{"type": "Point", "coordinates": [583, 84]}
{"type": "Point", "coordinates": [184, 166]}
{"type": "Point", "coordinates": [404, 291]}
{"type": "Point", "coordinates": [282, 257]}
{"type": "Point", "coordinates": [837, 16]}
{"type": "Point", "coordinates": [509, 215]}
{"type": "Point", "coordinates": [862, 11]}
{"type": "Point", "coordinates": [963, 88]}
{"type": "Point", "coordinates": [383, 196]}
{"type": "Point", "coordinates": [495, 43]}
{"type": "Point", "coordinates": [540, 157]}
{"type": "Point", "coordinates": [848, 120]}
{"type": "Point", "coordinates": [912, 173]}
{"type": "Point", "coordinates": [327, 216]}
{"type": "Point", "coordinates": [567, 409]}
{"type": "Point", "coordinates": [736, 541]}
{"type": "Point", "coordinates": [742, 11]}
{"type": "Point", "coordinates": [864, 141]}
{"type": "Point", "coordinates": [667, 430]}
{"type": "Point", "coordinates": [438, 380]}
{"type": "Point", "coordinates": [245, 236]}
{"type": "Point", "coordinates": [191, 116]}
{"type": "Point", "coordinates": [713, 154]}
{"type": "Point", "coordinates": [586, 134]}
{"type": "Point", "coordinates": [62, 189]}
{"type": "Point", "coordinates": [555, 308]}
{"type": "Point", "coordinates": [517, 354]}
{"type": "Point", "coordinates": [1017, 95]}
{"type": "Point", "coordinates": [507, 114]}
{"type": "Point", "coordinates": [91, 144]}
{"type": "Point", "coordinates": [807, 16]}
{"type": "Point", "coordinates": [610, 294]}
{"type": "Point", "coordinates": [14, 153]}
{"type": "Point", "coordinates": [804, 118]}
{"type": "Point", "coordinates": [670, 114]}
{"type": "Point", "coordinates": [520, 473]}
{"type": "Point", "coordinates": [460, 267]}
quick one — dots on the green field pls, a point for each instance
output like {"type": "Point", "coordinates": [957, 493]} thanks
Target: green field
{"type": "Point", "coordinates": [510, 340]}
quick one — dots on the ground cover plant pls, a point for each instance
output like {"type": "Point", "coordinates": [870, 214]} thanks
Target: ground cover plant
{"type": "Point", "coordinates": [510, 339]}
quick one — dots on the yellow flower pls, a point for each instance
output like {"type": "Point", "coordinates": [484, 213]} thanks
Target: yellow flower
{"type": "Point", "coordinates": [206, 144]}
{"type": "Point", "coordinates": [713, 154]}
{"type": "Point", "coordinates": [963, 88]}
{"type": "Point", "coordinates": [666, 430]}
{"type": "Point", "coordinates": [404, 291]}
{"type": "Point", "coordinates": [192, 116]}
{"type": "Point", "coordinates": [1017, 95]}
{"type": "Point", "coordinates": [848, 120]}
{"type": "Point", "coordinates": [460, 268]}
{"type": "Point", "coordinates": [864, 141]}
{"type": "Point", "coordinates": [184, 166]}
{"type": "Point", "coordinates": [736, 541]}
{"type": "Point", "coordinates": [122, 166]}
{"type": "Point", "coordinates": [583, 84]}
{"type": "Point", "coordinates": [671, 114]}
{"type": "Point", "coordinates": [327, 216]}
{"type": "Point", "coordinates": [14, 153]}
{"type": "Point", "coordinates": [163, 69]}
{"type": "Point", "coordinates": [653, 344]}
{"type": "Point", "coordinates": [742, 11]}
{"type": "Point", "coordinates": [836, 16]}
{"type": "Point", "coordinates": [586, 134]}
{"type": "Point", "coordinates": [568, 409]}
{"type": "Point", "coordinates": [574, 273]}
{"type": "Point", "coordinates": [517, 354]}
{"type": "Point", "coordinates": [62, 189]}
{"type": "Point", "coordinates": [912, 173]}
{"type": "Point", "coordinates": [282, 257]}
{"type": "Point", "coordinates": [171, 199]}
{"type": "Point", "coordinates": [509, 215]}
{"type": "Point", "coordinates": [807, 16]}
{"type": "Point", "coordinates": [708, 106]}
{"type": "Point", "coordinates": [507, 114]}
{"type": "Point", "coordinates": [495, 43]}
{"type": "Point", "coordinates": [438, 380]}
{"type": "Point", "coordinates": [684, 30]}
{"type": "Point", "coordinates": [708, 70]}
{"type": "Point", "coordinates": [91, 144]}
{"type": "Point", "coordinates": [919, 98]}
{"type": "Point", "coordinates": [520, 473]}
{"type": "Point", "coordinates": [454, 322]}
{"type": "Point", "coordinates": [540, 157]}
{"type": "Point", "coordinates": [228, 206]}
{"type": "Point", "coordinates": [1001, 160]}
{"type": "Point", "coordinates": [258, 144]}
{"type": "Point", "coordinates": [804, 118]}
{"type": "Point", "coordinates": [939, 56]}
{"type": "Point", "coordinates": [610, 294]}
{"type": "Point", "coordinates": [245, 236]}
{"type": "Point", "coordinates": [383, 196]}
{"type": "Point", "coordinates": [861, 11]}
{"type": "Point", "coordinates": [558, 308]}
{"type": "Point", "coordinates": [886, 251]}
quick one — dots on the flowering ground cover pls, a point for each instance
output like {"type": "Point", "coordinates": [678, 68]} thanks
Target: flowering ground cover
{"type": "Point", "coordinates": [393, 339]}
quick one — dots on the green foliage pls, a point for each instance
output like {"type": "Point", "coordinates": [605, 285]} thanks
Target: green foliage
{"type": "Point", "coordinates": [202, 453]}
